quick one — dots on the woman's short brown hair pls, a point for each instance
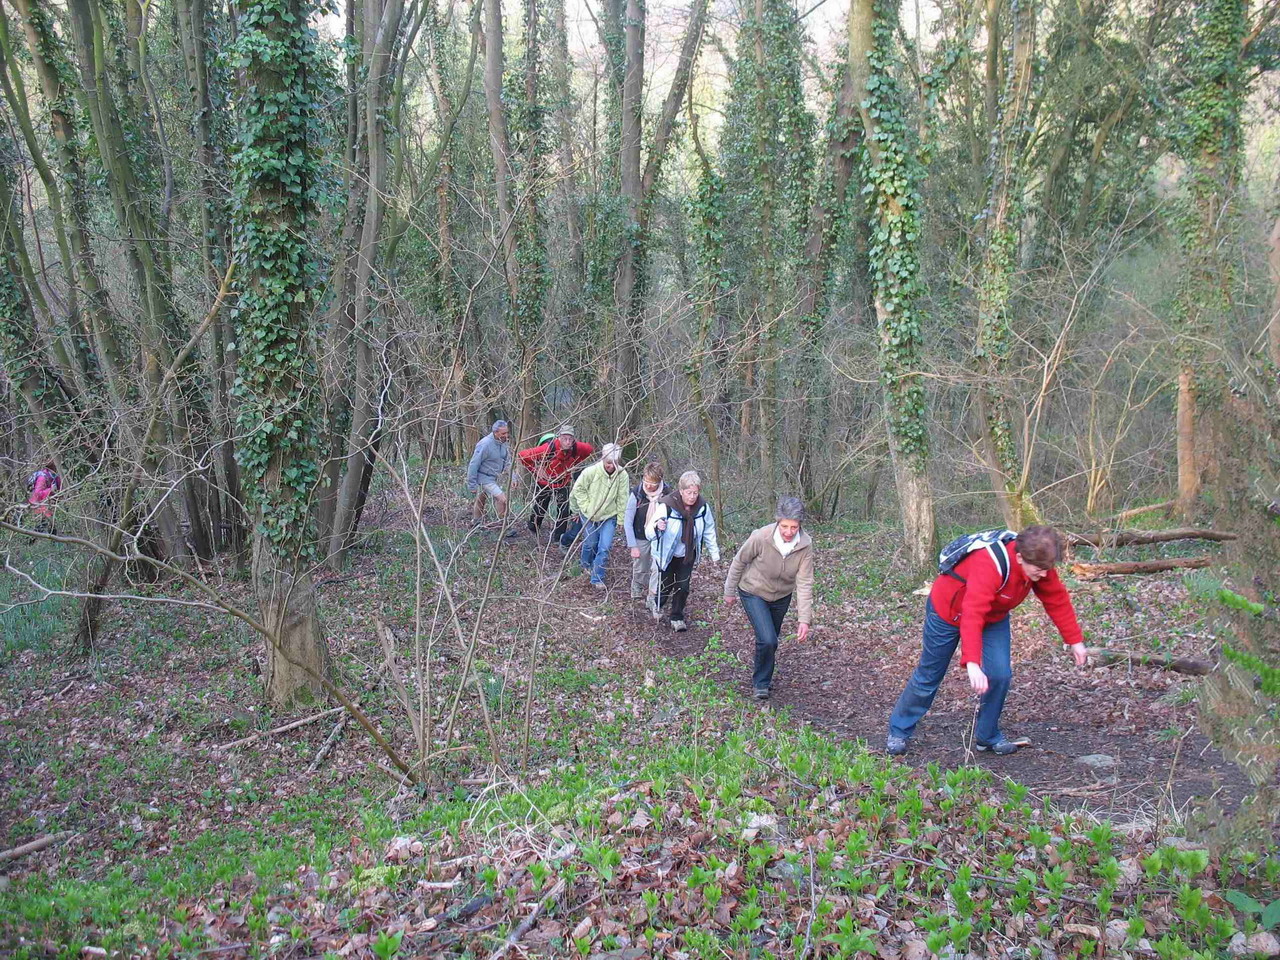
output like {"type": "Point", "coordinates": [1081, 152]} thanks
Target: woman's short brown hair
{"type": "Point", "coordinates": [1040, 546]}
{"type": "Point", "coordinates": [653, 470]}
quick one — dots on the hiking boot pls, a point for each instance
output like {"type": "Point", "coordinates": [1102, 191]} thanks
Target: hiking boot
{"type": "Point", "coordinates": [895, 746]}
{"type": "Point", "coordinates": [761, 693]}
{"type": "Point", "coordinates": [1002, 747]}
{"type": "Point", "coordinates": [679, 626]}
{"type": "Point", "coordinates": [599, 585]}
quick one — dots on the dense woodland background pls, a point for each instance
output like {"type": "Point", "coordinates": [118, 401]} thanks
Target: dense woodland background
{"type": "Point", "coordinates": [937, 263]}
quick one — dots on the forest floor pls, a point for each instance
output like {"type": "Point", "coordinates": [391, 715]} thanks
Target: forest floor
{"type": "Point", "coordinates": [661, 805]}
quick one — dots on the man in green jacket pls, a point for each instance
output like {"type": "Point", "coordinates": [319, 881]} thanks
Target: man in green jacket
{"type": "Point", "coordinates": [599, 497]}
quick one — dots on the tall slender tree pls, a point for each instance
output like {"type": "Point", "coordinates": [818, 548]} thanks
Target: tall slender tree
{"type": "Point", "coordinates": [1000, 221]}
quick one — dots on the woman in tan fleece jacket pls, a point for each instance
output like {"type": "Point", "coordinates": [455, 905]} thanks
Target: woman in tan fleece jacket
{"type": "Point", "coordinates": [772, 565]}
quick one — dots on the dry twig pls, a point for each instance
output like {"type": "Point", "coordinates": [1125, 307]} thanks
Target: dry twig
{"type": "Point", "coordinates": [287, 727]}
{"type": "Point", "coordinates": [527, 923]}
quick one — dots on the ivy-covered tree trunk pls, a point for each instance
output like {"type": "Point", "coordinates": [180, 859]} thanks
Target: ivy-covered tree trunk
{"type": "Point", "coordinates": [995, 280]}
{"type": "Point", "coordinates": [531, 248]}
{"type": "Point", "coordinates": [1210, 142]}
{"type": "Point", "coordinates": [277, 416]}
{"type": "Point", "coordinates": [893, 174]}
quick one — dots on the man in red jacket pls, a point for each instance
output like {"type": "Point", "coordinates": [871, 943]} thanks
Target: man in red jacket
{"type": "Point", "coordinates": [969, 607]}
{"type": "Point", "coordinates": [552, 465]}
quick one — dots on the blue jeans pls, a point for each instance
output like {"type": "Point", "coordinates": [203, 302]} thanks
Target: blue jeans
{"type": "Point", "coordinates": [940, 641]}
{"type": "Point", "coordinates": [597, 538]}
{"type": "Point", "coordinates": [766, 619]}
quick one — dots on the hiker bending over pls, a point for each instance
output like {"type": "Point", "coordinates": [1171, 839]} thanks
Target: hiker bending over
{"type": "Point", "coordinates": [680, 527]}
{"type": "Point", "coordinates": [491, 458]}
{"type": "Point", "coordinates": [552, 464]}
{"type": "Point", "coordinates": [983, 577]}
{"type": "Point", "coordinates": [641, 506]}
{"type": "Point", "coordinates": [772, 565]}
{"type": "Point", "coordinates": [599, 498]}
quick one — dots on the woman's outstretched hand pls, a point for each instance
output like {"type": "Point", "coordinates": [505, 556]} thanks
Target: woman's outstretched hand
{"type": "Point", "coordinates": [803, 633]}
{"type": "Point", "coordinates": [1080, 654]}
{"type": "Point", "coordinates": [730, 601]}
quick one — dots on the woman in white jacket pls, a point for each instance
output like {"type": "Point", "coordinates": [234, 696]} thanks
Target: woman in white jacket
{"type": "Point", "coordinates": [680, 527]}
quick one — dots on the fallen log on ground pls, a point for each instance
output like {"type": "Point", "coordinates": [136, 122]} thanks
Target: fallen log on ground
{"type": "Point", "coordinates": [1088, 571]}
{"type": "Point", "coordinates": [1106, 656]}
{"type": "Point", "coordinates": [1128, 538]}
{"type": "Point", "coordinates": [34, 846]}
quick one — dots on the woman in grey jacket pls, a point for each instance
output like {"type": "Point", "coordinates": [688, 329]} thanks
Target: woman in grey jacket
{"type": "Point", "coordinates": [772, 565]}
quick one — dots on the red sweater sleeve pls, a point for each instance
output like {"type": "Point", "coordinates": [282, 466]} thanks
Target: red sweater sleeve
{"type": "Point", "coordinates": [533, 454]}
{"type": "Point", "coordinates": [1057, 603]}
{"type": "Point", "coordinates": [982, 580]}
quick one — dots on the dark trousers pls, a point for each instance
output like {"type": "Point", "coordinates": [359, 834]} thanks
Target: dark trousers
{"type": "Point", "coordinates": [939, 645]}
{"type": "Point", "coordinates": [673, 583]}
{"type": "Point", "coordinates": [554, 501]}
{"type": "Point", "coordinates": [766, 618]}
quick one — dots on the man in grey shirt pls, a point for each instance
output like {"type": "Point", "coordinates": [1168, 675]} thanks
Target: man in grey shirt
{"type": "Point", "coordinates": [491, 459]}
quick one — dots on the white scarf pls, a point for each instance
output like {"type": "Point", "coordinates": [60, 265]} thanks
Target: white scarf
{"type": "Point", "coordinates": [783, 546]}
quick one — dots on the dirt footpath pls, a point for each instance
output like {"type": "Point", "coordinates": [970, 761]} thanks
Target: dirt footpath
{"type": "Point", "coordinates": [1116, 740]}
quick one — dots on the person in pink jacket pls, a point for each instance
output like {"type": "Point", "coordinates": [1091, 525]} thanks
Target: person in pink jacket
{"type": "Point", "coordinates": [44, 485]}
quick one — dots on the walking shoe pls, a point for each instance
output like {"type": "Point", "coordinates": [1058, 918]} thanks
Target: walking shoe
{"type": "Point", "coordinates": [599, 585]}
{"type": "Point", "coordinates": [761, 693]}
{"type": "Point", "coordinates": [895, 746]}
{"type": "Point", "coordinates": [1002, 747]}
{"type": "Point", "coordinates": [655, 611]}
{"type": "Point", "coordinates": [679, 626]}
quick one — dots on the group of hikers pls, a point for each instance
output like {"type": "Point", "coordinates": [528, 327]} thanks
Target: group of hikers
{"type": "Point", "coordinates": [982, 577]}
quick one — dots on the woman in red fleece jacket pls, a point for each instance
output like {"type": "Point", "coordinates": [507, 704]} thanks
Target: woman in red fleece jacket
{"type": "Point", "coordinates": [968, 607]}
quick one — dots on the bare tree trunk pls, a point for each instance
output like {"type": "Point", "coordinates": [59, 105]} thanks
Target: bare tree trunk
{"type": "Point", "coordinates": [500, 143]}
{"type": "Point", "coordinates": [627, 310]}
{"type": "Point", "coordinates": [193, 26]}
{"type": "Point", "coordinates": [381, 27]}
{"type": "Point", "coordinates": [1273, 324]}
{"type": "Point", "coordinates": [567, 181]}
{"type": "Point", "coordinates": [829, 201]}
{"type": "Point", "coordinates": [1188, 469]}
{"type": "Point", "coordinates": [995, 284]}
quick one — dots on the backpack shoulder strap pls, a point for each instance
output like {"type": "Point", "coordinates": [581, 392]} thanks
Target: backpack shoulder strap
{"type": "Point", "coordinates": [1000, 556]}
